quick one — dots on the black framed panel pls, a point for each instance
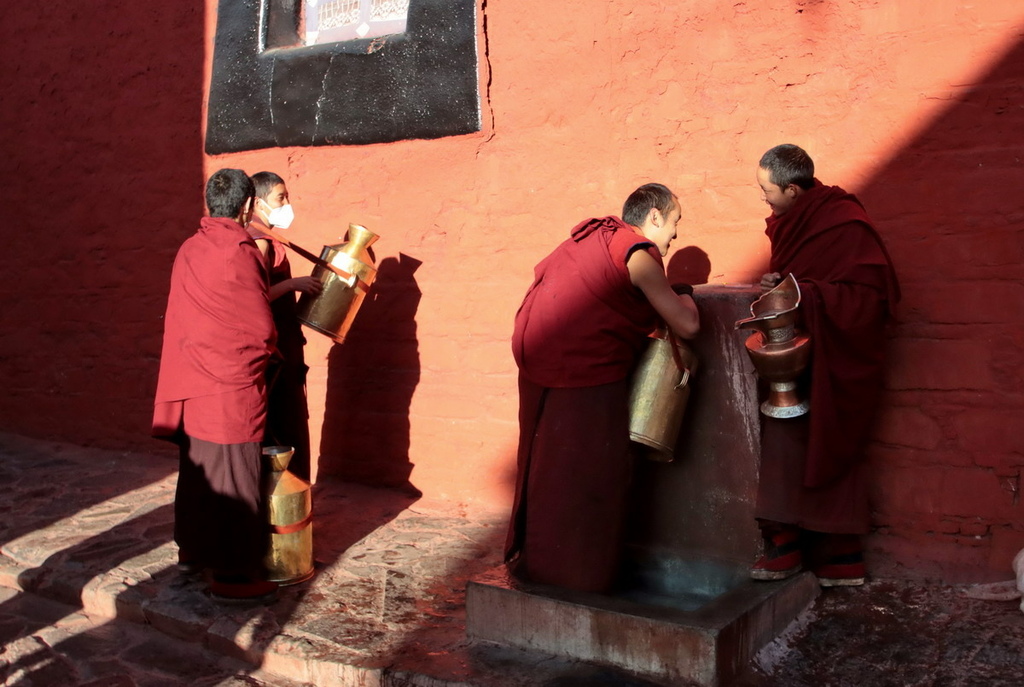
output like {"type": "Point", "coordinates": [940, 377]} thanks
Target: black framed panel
{"type": "Point", "coordinates": [419, 84]}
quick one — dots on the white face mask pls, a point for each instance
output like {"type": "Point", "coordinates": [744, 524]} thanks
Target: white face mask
{"type": "Point", "coordinates": [281, 217]}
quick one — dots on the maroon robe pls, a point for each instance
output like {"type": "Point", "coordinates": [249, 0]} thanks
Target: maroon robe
{"type": "Point", "coordinates": [812, 472]}
{"type": "Point", "coordinates": [578, 335]}
{"type": "Point", "coordinates": [211, 396]}
{"type": "Point", "coordinates": [287, 406]}
{"type": "Point", "coordinates": [218, 336]}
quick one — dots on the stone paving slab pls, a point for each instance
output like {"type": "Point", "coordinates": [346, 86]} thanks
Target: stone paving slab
{"type": "Point", "coordinates": [388, 571]}
{"type": "Point", "coordinates": [88, 532]}
{"type": "Point", "coordinates": [897, 634]}
{"type": "Point", "coordinates": [46, 643]}
{"type": "Point", "coordinates": [92, 529]}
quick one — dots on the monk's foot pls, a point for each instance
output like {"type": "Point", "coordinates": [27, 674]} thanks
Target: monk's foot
{"type": "Point", "coordinates": [782, 558]}
{"type": "Point", "coordinates": [846, 570]}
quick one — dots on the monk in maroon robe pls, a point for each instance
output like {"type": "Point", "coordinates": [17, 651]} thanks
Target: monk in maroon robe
{"type": "Point", "coordinates": [578, 335]}
{"type": "Point", "coordinates": [287, 408]}
{"type": "Point", "coordinates": [812, 499]}
{"type": "Point", "coordinates": [211, 395]}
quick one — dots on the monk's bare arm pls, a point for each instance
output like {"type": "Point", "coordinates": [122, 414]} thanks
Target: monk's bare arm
{"type": "Point", "coordinates": [263, 245]}
{"type": "Point", "coordinates": [679, 312]}
{"type": "Point", "coordinates": [310, 285]}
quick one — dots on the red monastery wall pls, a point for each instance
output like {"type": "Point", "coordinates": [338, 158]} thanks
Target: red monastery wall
{"type": "Point", "coordinates": [913, 105]}
{"type": "Point", "coordinates": [103, 174]}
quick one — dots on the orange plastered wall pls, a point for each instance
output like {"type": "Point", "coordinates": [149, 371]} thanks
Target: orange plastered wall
{"type": "Point", "coordinates": [584, 101]}
{"type": "Point", "coordinates": [914, 105]}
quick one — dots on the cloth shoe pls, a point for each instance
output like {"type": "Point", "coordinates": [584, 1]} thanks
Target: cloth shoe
{"type": "Point", "coordinates": [842, 570]}
{"type": "Point", "coordinates": [782, 557]}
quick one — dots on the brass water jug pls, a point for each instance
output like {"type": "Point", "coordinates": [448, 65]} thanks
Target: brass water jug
{"type": "Point", "coordinates": [289, 558]}
{"type": "Point", "coordinates": [659, 392]}
{"type": "Point", "coordinates": [778, 350]}
{"type": "Point", "coordinates": [333, 310]}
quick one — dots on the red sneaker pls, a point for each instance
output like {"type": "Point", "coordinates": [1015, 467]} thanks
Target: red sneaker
{"type": "Point", "coordinates": [845, 570]}
{"type": "Point", "coordinates": [782, 557]}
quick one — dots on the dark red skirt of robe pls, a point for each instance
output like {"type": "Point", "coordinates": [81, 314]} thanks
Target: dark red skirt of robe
{"type": "Point", "coordinates": [571, 492]}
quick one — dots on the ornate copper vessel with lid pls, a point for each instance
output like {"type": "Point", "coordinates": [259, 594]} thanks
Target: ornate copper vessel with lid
{"type": "Point", "coordinates": [778, 350]}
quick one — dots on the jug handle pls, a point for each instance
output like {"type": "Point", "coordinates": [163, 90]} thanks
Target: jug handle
{"type": "Point", "coordinates": [673, 341]}
{"type": "Point", "coordinates": [350, 280]}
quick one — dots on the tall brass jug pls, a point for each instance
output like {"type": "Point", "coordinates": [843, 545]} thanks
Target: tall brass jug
{"type": "Point", "coordinates": [659, 392]}
{"type": "Point", "coordinates": [333, 310]}
{"type": "Point", "coordinates": [289, 558]}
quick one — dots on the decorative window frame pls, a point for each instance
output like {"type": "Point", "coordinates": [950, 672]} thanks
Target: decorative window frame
{"type": "Point", "coordinates": [423, 83]}
{"type": "Point", "coordinates": [364, 25]}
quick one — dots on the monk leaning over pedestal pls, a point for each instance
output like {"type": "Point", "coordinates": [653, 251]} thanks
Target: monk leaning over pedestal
{"type": "Point", "coordinates": [578, 335]}
{"type": "Point", "coordinates": [211, 396]}
{"type": "Point", "coordinates": [812, 498]}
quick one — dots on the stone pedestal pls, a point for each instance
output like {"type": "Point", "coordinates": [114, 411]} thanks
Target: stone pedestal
{"type": "Point", "coordinates": [700, 507]}
{"type": "Point", "coordinates": [691, 612]}
{"type": "Point", "coordinates": [708, 646]}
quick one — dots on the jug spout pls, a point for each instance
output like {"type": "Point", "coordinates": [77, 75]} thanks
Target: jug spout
{"type": "Point", "coordinates": [359, 238]}
{"type": "Point", "coordinates": [278, 457]}
{"type": "Point", "coordinates": [774, 310]}
{"type": "Point", "coordinates": [782, 299]}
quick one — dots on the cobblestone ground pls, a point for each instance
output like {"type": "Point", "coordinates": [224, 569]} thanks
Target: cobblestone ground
{"type": "Point", "coordinates": [49, 644]}
{"type": "Point", "coordinates": [92, 529]}
{"type": "Point", "coordinates": [89, 596]}
{"type": "Point", "coordinates": [897, 634]}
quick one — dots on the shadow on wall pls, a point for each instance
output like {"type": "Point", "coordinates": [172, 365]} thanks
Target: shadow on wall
{"type": "Point", "coordinates": [370, 382]}
{"type": "Point", "coordinates": [689, 265]}
{"type": "Point", "coordinates": [947, 467]}
{"type": "Point", "coordinates": [949, 206]}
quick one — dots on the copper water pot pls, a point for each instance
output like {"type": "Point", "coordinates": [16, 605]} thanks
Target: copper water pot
{"type": "Point", "coordinates": [779, 352]}
{"type": "Point", "coordinates": [289, 558]}
{"type": "Point", "coordinates": [659, 391]}
{"type": "Point", "coordinates": [333, 310]}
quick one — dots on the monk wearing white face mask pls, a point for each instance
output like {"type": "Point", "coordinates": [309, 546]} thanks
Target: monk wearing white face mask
{"type": "Point", "coordinates": [287, 414]}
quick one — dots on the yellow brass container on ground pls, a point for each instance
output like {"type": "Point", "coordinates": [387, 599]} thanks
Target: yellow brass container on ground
{"type": "Point", "coordinates": [659, 391]}
{"type": "Point", "coordinates": [779, 352]}
{"type": "Point", "coordinates": [333, 310]}
{"type": "Point", "coordinates": [289, 557]}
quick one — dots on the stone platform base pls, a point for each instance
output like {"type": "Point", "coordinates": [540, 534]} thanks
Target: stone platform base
{"type": "Point", "coordinates": [708, 646]}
